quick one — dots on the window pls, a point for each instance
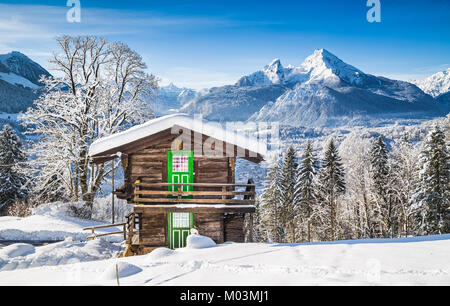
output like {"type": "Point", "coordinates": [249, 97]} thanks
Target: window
{"type": "Point", "coordinates": [181, 220]}
{"type": "Point", "coordinates": [180, 164]}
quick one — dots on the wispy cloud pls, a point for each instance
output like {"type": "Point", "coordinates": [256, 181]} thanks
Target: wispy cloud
{"type": "Point", "coordinates": [197, 78]}
{"type": "Point", "coordinates": [32, 29]}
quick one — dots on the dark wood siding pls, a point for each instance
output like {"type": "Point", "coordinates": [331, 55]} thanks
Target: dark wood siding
{"type": "Point", "coordinates": [153, 228]}
{"type": "Point", "coordinates": [210, 225]}
{"type": "Point", "coordinates": [234, 227]}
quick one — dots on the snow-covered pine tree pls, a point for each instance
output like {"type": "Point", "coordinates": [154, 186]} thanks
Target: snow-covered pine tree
{"type": "Point", "coordinates": [382, 189]}
{"type": "Point", "coordinates": [331, 185]}
{"type": "Point", "coordinates": [433, 192]}
{"type": "Point", "coordinates": [13, 182]}
{"type": "Point", "coordinates": [270, 221]}
{"type": "Point", "coordinates": [289, 209]}
{"type": "Point", "coordinates": [260, 234]}
{"type": "Point", "coordinates": [306, 191]}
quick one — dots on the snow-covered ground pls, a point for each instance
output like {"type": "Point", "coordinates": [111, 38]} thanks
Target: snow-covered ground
{"type": "Point", "coordinates": [411, 261]}
{"type": "Point", "coordinates": [415, 261]}
{"type": "Point", "coordinates": [50, 222]}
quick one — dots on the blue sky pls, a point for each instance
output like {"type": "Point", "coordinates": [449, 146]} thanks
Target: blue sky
{"type": "Point", "coordinates": [211, 43]}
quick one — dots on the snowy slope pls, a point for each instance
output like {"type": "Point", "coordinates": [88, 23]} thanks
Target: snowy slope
{"type": "Point", "coordinates": [414, 261]}
{"type": "Point", "coordinates": [437, 84]}
{"type": "Point", "coordinates": [19, 82]}
{"type": "Point", "coordinates": [15, 79]}
{"type": "Point", "coordinates": [23, 66]}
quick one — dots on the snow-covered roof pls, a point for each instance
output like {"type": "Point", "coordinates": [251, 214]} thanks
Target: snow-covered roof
{"type": "Point", "coordinates": [211, 129]}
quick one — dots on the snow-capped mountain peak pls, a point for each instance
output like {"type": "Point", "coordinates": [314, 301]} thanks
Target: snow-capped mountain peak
{"type": "Point", "coordinates": [323, 66]}
{"type": "Point", "coordinates": [275, 71]}
{"type": "Point", "coordinates": [320, 67]}
{"type": "Point", "coordinates": [436, 84]}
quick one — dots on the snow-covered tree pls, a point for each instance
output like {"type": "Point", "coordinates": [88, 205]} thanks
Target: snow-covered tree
{"type": "Point", "coordinates": [432, 196]}
{"type": "Point", "coordinates": [382, 189]}
{"type": "Point", "coordinates": [269, 210]}
{"type": "Point", "coordinates": [306, 191]}
{"type": "Point", "coordinates": [289, 209]}
{"type": "Point", "coordinates": [355, 150]}
{"type": "Point", "coordinates": [331, 185]}
{"type": "Point", "coordinates": [404, 161]}
{"type": "Point", "coordinates": [100, 89]}
{"type": "Point", "coordinates": [13, 182]}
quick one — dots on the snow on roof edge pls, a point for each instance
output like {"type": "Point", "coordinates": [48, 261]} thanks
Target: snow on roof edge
{"type": "Point", "coordinates": [212, 129]}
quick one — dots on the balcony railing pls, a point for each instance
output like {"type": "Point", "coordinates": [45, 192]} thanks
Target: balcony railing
{"type": "Point", "coordinates": [202, 193]}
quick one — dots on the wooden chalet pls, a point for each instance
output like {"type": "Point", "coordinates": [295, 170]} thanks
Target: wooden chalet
{"type": "Point", "coordinates": [179, 175]}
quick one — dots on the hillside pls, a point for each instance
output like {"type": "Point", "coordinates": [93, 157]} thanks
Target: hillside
{"type": "Point", "coordinates": [19, 82]}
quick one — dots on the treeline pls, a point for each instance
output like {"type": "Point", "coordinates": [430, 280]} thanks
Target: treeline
{"type": "Point", "coordinates": [357, 190]}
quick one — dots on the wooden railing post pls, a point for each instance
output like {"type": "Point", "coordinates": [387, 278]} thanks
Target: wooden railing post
{"type": "Point", "coordinates": [136, 191]}
{"type": "Point", "coordinates": [224, 191]}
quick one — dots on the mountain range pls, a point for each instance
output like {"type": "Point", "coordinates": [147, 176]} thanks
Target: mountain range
{"type": "Point", "coordinates": [19, 82]}
{"type": "Point", "coordinates": [322, 91]}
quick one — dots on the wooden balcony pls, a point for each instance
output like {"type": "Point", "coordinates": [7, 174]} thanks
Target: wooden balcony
{"type": "Point", "coordinates": [203, 193]}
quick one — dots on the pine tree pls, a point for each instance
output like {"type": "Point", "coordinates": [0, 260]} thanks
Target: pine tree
{"type": "Point", "coordinates": [331, 185]}
{"type": "Point", "coordinates": [433, 192]}
{"type": "Point", "coordinates": [287, 195]}
{"type": "Point", "coordinates": [270, 205]}
{"type": "Point", "coordinates": [381, 180]}
{"type": "Point", "coordinates": [306, 189]}
{"type": "Point", "coordinates": [12, 180]}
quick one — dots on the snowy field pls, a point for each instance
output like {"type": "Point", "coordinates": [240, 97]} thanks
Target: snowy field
{"type": "Point", "coordinates": [73, 261]}
{"type": "Point", "coordinates": [416, 261]}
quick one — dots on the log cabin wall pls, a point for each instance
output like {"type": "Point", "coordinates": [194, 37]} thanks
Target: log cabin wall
{"type": "Point", "coordinates": [210, 225]}
{"type": "Point", "coordinates": [234, 227]}
{"type": "Point", "coordinates": [220, 227]}
{"type": "Point", "coordinates": [153, 228]}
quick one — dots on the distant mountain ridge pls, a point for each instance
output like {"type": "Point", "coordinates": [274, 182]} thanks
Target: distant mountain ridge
{"type": "Point", "coordinates": [322, 91]}
{"type": "Point", "coordinates": [169, 99]}
{"type": "Point", "coordinates": [19, 82]}
{"type": "Point", "coordinates": [436, 84]}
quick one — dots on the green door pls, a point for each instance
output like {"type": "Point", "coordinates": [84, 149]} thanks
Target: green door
{"type": "Point", "coordinates": [180, 167]}
{"type": "Point", "coordinates": [180, 225]}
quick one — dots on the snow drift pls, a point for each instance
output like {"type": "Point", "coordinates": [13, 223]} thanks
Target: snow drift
{"type": "Point", "coordinates": [199, 242]}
